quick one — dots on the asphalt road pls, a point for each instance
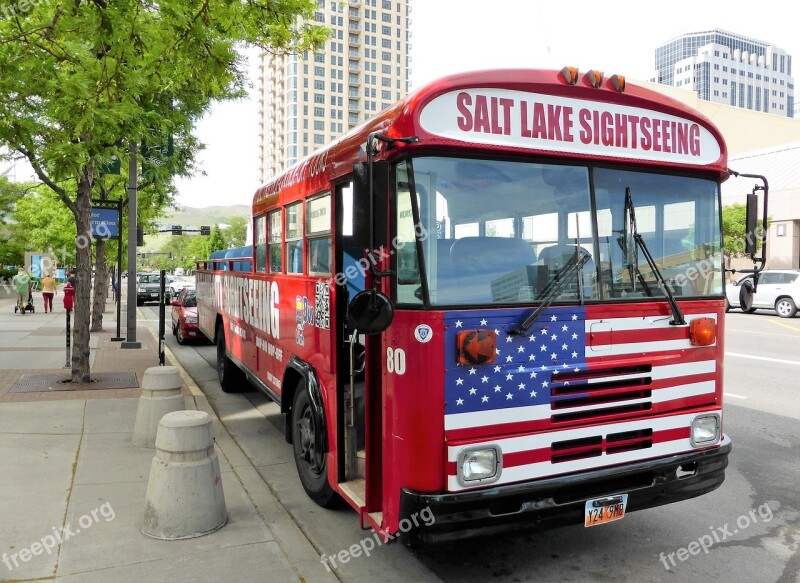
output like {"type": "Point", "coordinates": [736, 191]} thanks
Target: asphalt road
{"type": "Point", "coordinates": [750, 526]}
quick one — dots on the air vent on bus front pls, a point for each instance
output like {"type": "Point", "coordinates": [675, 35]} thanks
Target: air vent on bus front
{"type": "Point", "coordinates": [576, 395]}
{"type": "Point", "coordinates": [586, 447]}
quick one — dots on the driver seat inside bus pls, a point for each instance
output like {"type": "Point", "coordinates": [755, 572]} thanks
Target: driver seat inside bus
{"type": "Point", "coordinates": [476, 262]}
{"type": "Point", "coordinates": [557, 256]}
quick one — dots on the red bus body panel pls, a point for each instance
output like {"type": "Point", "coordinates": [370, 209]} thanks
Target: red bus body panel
{"type": "Point", "coordinates": [269, 318]}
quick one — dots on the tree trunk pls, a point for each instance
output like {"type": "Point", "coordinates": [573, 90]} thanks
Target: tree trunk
{"type": "Point", "coordinates": [100, 287]}
{"type": "Point", "coordinates": [83, 261]}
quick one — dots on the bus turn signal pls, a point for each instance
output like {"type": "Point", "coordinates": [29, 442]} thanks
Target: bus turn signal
{"type": "Point", "coordinates": [703, 331]}
{"type": "Point", "coordinates": [477, 346]}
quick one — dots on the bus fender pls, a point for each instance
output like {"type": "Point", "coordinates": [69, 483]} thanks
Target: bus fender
{"type": "Point", "coordinates": [297, 369]}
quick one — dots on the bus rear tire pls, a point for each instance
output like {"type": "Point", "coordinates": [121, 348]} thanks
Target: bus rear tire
{"type": "Point", "coordinates": [312, 465]}
{"type": "Point", "coordinates": [229, 375]}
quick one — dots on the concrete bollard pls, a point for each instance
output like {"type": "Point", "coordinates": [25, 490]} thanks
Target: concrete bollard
{"type": "Point", "coordinates": [161, 394]}
{"type": "Point", "coordinates": [184, 493]}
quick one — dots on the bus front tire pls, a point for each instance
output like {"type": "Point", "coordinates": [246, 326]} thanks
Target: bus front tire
{"type": "Point", "coordinates": [230, 377]}
{"type": "Point", "coordinates": [312, 465]}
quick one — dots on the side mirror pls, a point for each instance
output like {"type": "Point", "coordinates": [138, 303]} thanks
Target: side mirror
{"type": "Point", "coordinates": [751, 225]}
{"type": "Point", "coordinates": [370, 203]}
{"type": "Point", "coordinates": [175, 303]}
{"type": "Point", "coordinates": [371, 312]}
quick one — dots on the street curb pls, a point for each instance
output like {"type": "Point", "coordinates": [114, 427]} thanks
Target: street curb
{"type": "Point", "coordinates": [295, 545]}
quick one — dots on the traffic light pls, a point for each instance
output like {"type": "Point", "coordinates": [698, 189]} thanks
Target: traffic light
{"type": "Point", "coordinates": [177, 230]}
{"type": "Point", "coordinates": [205, 230]}
{"type": "Point", "coordinates": [139, 236]}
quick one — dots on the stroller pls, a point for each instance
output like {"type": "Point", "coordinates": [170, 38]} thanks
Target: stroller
{"type": "Point", "coordinates": [29, 307]}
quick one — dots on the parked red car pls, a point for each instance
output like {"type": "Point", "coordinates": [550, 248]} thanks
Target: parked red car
{"type": "Point", "coordinates": [184, 316]}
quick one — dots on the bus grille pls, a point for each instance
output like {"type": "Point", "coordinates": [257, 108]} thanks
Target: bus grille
{"type": "Point", "coordinates": [586, 447]}
{"type": "Point", "coordinates": [587, 395]}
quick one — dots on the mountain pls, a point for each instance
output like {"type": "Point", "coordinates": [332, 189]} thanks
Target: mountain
{"type": "Point", "coordinates": [188, 216]}
{"type": "Point", "coordinates": [193, 217]}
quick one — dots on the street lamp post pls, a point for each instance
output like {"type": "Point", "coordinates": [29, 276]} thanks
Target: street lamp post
{"type": "Point", "coordinates": [132, 222]}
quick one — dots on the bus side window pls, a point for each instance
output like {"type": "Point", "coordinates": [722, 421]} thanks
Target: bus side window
{"type": "Point", "coordinates": [318, 231]}
{"type": "Point", "coordinates": [275, 242]}
{"type": "Point", "coordinates": [294, 238]}
{"type": "Point", "coordinates": [260, 228]}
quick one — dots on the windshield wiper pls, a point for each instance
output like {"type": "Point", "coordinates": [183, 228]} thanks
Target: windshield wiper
{"type": "Point", "coordinates": [677, 315]}
{"type": "Point", "coordinates": [562, 278]}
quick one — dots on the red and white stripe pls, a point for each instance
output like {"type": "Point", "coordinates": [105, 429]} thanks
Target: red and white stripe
{"type": "Point", "coordinates": [528, 457]}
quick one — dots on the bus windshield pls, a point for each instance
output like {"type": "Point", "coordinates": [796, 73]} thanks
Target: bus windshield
{"type": "Point", "coordinates": [501, 232]}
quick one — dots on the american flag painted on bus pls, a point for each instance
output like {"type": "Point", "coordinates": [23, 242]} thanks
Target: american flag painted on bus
{"type": "Point", "coordinates": [577, 366]}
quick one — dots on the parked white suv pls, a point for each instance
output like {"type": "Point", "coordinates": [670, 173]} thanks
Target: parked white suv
{"type": "Point", "coordinates": [778, 289]}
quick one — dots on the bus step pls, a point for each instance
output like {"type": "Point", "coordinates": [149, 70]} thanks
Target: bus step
{"type": "Point", "coordinates": [361, 457]}
{"type": "Point", "coordinates": [355, 491]}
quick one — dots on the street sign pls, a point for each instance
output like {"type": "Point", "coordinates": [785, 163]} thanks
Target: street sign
{"type": "Point", "coordinates": [105, 219]}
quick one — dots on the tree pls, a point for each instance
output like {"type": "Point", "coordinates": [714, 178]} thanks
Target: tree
{"type": "Point", "coordinates": [12, 250]}
{"type": "Point", "coordinates": [236, 233]}
{"type": "Point", "coordinates": [216, 242]}
{"type": "Point", "coordinates": [85, 79]}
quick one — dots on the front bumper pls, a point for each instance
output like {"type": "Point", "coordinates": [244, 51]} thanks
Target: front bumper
{"type": "Point", "coordinates": [559, 501]}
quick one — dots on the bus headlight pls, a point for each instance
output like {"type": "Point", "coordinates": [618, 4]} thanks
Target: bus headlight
{"type": "Point", "coordinates": [479, 465]}
{"type": "Point", "coordinates": [705, 430]}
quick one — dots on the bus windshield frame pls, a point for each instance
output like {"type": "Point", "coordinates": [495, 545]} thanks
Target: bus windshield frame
{"type": "Point", "coordinates": [500, 232]}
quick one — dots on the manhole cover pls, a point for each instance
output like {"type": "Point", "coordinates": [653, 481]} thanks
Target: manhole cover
{"type": "Point", "coordinates": [61, 382]}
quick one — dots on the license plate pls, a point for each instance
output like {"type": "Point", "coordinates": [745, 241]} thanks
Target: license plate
{"type": "Point", "coordinates": [604, 510]}
{"type": "Point", "coordinates": [154, 295]}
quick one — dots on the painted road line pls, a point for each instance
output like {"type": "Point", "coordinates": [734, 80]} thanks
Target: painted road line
{"type": "Point", "coordinates": [780, 360]}
{"type": "Point", "coordinates": [734, 396]}
{"type": "Point", "coordinates": [785, 325]}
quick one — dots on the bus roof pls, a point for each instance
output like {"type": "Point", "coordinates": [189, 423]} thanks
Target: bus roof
{"type": "Point", "coordinates": [522, 112]}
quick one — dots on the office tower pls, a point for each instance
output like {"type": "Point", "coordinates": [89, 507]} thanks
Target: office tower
{"type": "Point", "coordinates": [729, 68]}
{"type": "Point", "coordinates": [308, 100]}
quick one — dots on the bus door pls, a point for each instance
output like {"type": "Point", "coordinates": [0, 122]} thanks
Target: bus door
{"type": "Point", "coordinates": [359, 367]}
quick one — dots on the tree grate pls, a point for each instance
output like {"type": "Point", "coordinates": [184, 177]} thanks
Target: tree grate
{"type": "Point", "coordinates": [62, 382]}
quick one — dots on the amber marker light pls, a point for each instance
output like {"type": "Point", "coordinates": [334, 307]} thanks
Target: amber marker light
{"type": "Point", "coordinates": [595, 78]}
{"type": "Point", "coordinates": [703, 331]}
{"type": "Point", "coordinates": [476, 346]}
{"type": "Point", "coordinates": [570, 74]}
{"type": "Point", "coordinates": [618, 82]}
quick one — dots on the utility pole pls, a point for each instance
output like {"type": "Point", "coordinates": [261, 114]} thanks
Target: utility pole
{"type": "Point", "coordinates": [132, 222]}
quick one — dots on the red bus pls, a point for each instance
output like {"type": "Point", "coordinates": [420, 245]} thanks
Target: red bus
{"type": "Point", "coordinates": [500, 302]}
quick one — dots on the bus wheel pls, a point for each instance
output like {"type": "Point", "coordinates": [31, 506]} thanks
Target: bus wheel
{"type": "Point", "coordinates": [312, 466]}
{"type": "Point", "coordinates": [227, 372]}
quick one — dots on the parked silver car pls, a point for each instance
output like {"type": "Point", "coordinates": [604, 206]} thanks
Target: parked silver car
{"type": "Point", "coordinates": [778, 289]}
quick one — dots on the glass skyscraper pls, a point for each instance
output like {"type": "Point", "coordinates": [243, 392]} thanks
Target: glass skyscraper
{"type": "Point", "coordinates": [724, 67]}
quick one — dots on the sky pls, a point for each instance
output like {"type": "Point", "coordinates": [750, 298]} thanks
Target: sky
{"type": "Point", "coordinates": [451, 36]}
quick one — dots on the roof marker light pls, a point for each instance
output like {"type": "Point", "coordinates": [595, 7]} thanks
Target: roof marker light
{"type": "Point", "coordinates": [618, 81]}
{"type": "Point", "coordinates": [595, 78]}
{"type": "Point", "coordinates": [570, 74]}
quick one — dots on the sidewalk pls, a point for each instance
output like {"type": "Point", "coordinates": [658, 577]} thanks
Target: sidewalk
{"type": "Point", "coordinates": [72, 485]}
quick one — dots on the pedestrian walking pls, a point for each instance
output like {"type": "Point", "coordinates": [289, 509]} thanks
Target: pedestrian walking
{"type": "Point", "coordinates": [48, 291]}
{"type": "Point", "coordinates": [21, 283]}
